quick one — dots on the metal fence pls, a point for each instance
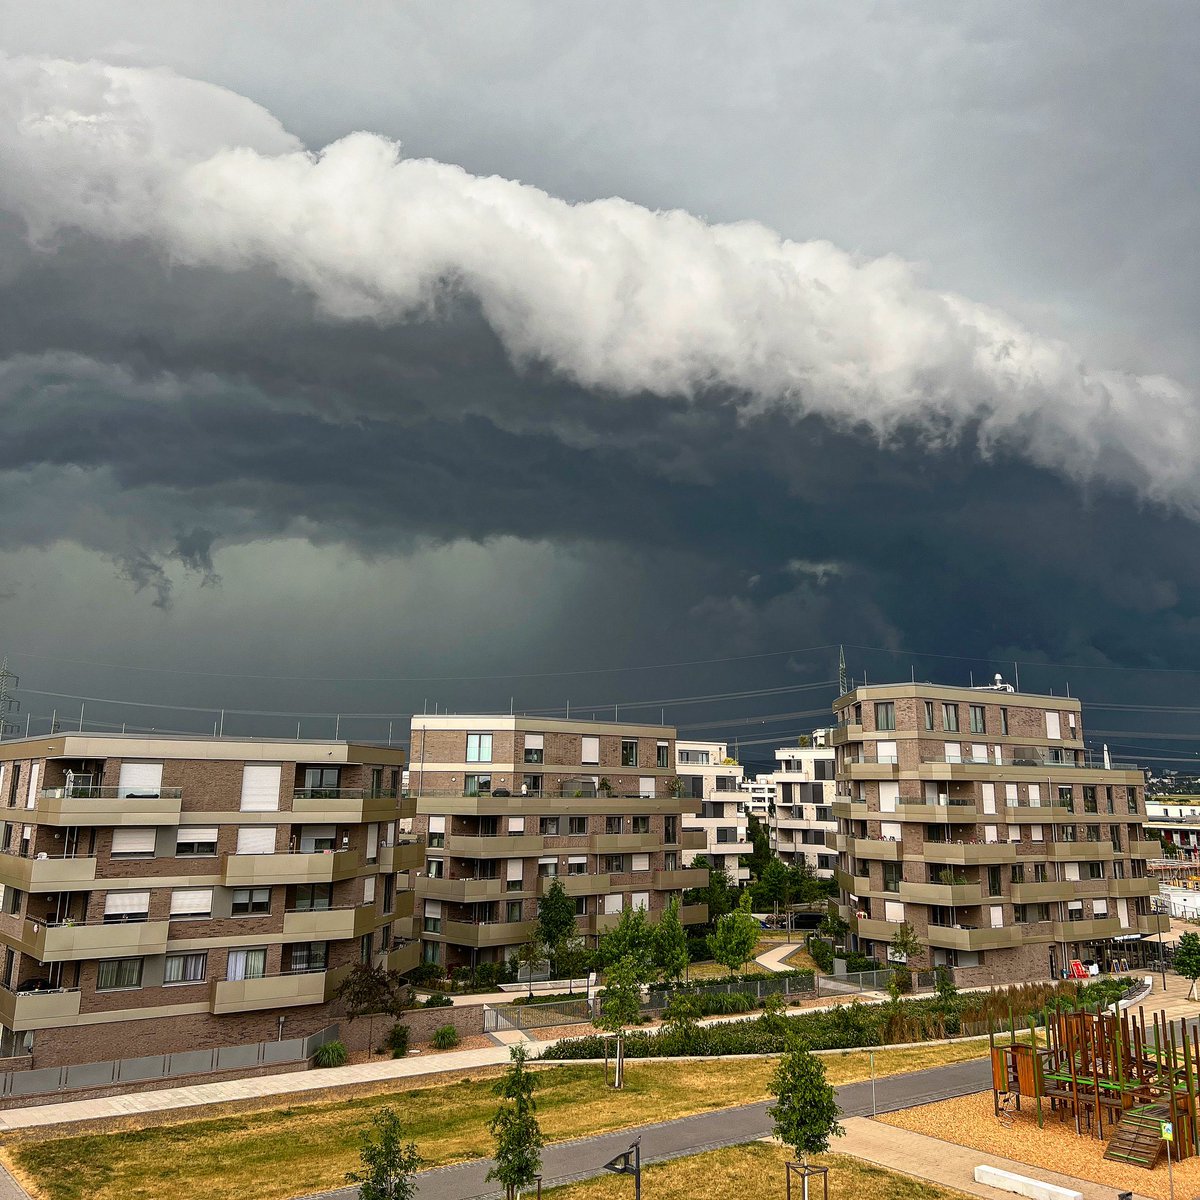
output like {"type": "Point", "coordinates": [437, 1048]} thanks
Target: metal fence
{"type": "Point", "coordinates": [500, 1017]}
{"type": "Point", "coordinates": [799, 987]}
{"type": "Point", "coordinates": [164, 1066]}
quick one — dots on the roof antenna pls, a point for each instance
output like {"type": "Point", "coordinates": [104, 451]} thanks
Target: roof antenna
{"type": "Point", "coordinates": [842, 670]}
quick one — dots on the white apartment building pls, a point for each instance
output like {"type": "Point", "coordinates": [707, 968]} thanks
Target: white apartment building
{"type": "Point", "coordinates": [712, 777]}
{"type": "Point", "coordinates": [758, 796]}
{"type": "Point", "coordinates": [804, 789]}
{"type": "Point", "coordinates": [1177, 822]}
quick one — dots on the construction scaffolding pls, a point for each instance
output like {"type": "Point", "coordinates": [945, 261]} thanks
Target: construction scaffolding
{"type": "Point", "coordinates": [1126, 1078]}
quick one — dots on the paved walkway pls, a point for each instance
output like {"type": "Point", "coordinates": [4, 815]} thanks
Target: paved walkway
{"type": "Point", "coordinates": [584, 1158]}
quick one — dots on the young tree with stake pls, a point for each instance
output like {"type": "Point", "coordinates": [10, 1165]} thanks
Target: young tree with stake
{"type": "Point", "coordinates": [733, 940]}
{"type": "Point", "coordinates": [388, 1161]}
{"type": "Point", "coordinates": [806, 1114]}
{"type": "Point", "coordinates": [515, 1127]}
{"type": "Point", "coordinates": [1187, 960]}
{"type": "Point", "coordinates": [670, 944]}
{"type": "Point", "coordinates": [620, 1007]}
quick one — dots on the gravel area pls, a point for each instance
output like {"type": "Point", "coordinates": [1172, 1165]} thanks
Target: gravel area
{"type": "Point", "coordinates": [969, 1121]}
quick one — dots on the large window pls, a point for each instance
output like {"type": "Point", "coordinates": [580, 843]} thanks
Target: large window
{"type": "Point", "coordinates": [641, 824]}
{"type": "Point", "coordinates": [950, 717]}
{"type": "Point", "coordinates": [664, 754]}
{"type": "Point", "coordinates": [885, 715]}
{"type": "Point", "coordinates": [196, 841]}
{"type": "Point", "coordinates": [978, 724]}
{"type": "Point", "coordinates": [576, 826]}
{"type": "Point", "coordinates": [247, 901]}
{"type": "Point", "coordinates": [629, 757]}
{"type": "Point", "coordinates": [928, 714]}
{"type": "Point", "coordinates": [548, 826]}
{"type": "Point", "coordinates": [477, 785]}
{"type": "Point", "coordinates": [321, 781]}
{"type": "Point", "coordinates": [114, 973]}
{"type": "Point", "coordinates": [313, 897]}
{"type": "Point", "coordinates": [247, 964]}
{"type": "Point", "coordinates": [479, 747]}
{"type": "Point", "coordinates": [185, 968]}
{"type": "Point", "coordinates": [535, 751]}
{"type": "Point", "coordinates": [309, 956]}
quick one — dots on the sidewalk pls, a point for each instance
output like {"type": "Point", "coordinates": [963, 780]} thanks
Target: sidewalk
{"type": "Point", "coordinates": [943, 1162]}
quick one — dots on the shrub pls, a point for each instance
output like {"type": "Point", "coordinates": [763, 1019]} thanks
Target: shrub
{"type": "Point", "coordinates": [445, 1037]}
{"type": "Point", "coordinates": [425, 974]}
{"type": "Point", "coordinates": [332, 1054]}
{"type": "Point", "coordinates": [397, 1040]}
{"type": "Point", "coordinates": [822, 953]}
{"type": "Point", "coordinates": [438, 1000]}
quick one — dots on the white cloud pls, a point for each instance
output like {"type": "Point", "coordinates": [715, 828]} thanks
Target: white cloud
{"type": "Point", "coordinates": [608, 294]}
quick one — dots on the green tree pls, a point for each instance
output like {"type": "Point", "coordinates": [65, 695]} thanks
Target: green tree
{"type": "Point", "coordinates": [388, 1161]}
{"type": "Point", "coordinates": [631, 940]}
{"type": "Point", "coordinates": [574, 960]}
{"type": "Point", "coordinates": [806, 1113]}
{"type": "Point", "coordinates": [733, 940]}
{"type": "Point", "coordinates": [515, 1127]}
{"type": "Point", "coordinates": [1187, 959]}
{"type": "Point", "coordinates": [774, 883]}
{"type": "Point", "coordinates": [670, 944]}
{"type": "Point", "coordinates": [718, 893]}
{"type": "Point", "coordinates": [833, 926]}
{"type": "Point", "coordinates": [531, 955]}
{"type": "Point", "coordinates": [949, 1002]}
{"type": "Point", "coordinates": [369, 991]}
{"type": "Point", "coordinates": [620, 1006]}
{"type": "Point", "coordinates": [760, 841]}
{"type": "Point", "coordinates": [906, 947]}
{"type": "Point", "coordinates": [556, 920]}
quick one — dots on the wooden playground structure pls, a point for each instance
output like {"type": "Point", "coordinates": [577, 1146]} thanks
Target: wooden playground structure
{"type": "Point", "coordinates": [1119, 1077]}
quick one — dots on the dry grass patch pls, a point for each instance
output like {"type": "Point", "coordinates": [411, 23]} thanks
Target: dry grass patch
{"type": "Point", "coordinates": [970, 1121]}
{"type": "Point", "coordinates": [281, 1153]}
{"type": "Point", "coordinates": [755, 1172]}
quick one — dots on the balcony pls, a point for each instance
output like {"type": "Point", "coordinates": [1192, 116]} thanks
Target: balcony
{"type": "Point", "coordinates": [1041, 893]}
{"type": "Point", "coordinates": [331, 924]}
{"type": "Point", "coordinates": [577, 885]}
{"type": "Point", "coordinates": [403, 856]}
{"type": "Point", "coordinates": [876, 849]}
{"type": "Point", "coordinates": [959, 937]}
{"type": "Point", "coordinates": [39, 1010]}
{"type": "Point", "coordinates": [466, 891]}
{"type": "Point", "coordinates": [404, 958]}
{"type": "Point", "coordinates": [940, 813]}
{"type": "Point", "coordinates": [497, 846]}
{"type": "Point", "coordinates": [262, 870]}
{"type": "Point", "coordinates": [870, 768]}
{"type": "Point", "coordinates": [1133, 887]}
{"type": "Point", "coordinates": [837, 842]}
{"type": "Point", "coordinates": [1088, 930]}
{"type": "Point", "coordinates": [839, 735]}
{"type": "Point", "coordinates": [859, 885]}
{"type": "Point", "coordinates": [693, 914]}
{"type": "Point", "coordinates": [351, 806]}
{"type": "Point", "coordinates": [115, 939]}
{"type": "Point", "coordinates": [874, 930]}
{"type": "Point", "coordinates": [946, 894]}
{"type": "Point", "coordinates": [47, 874]}
{"type": "Point", "coordinates": [685, 877]}
{"type": "Point", "coordinates": [495, 933]}
{"type": "Point", "coordinates": [969, 854]}
{"type": "Point", "coordinates": [274, 991]}
{"type": "Point", "coordinates": [618, 843]}
{"type": "Point", "coordinates": [107, 806]}
{"type": "Point", "coordinates": [1145, 850]}
{"type": "Point", "coordinates": [1080, 851]}
{"type": "Point", "coordinates": [696, 839]}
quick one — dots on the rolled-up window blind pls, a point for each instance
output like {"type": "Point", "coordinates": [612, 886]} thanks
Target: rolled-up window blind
{"type": "Point", "coordinates": [133, 841]}
{"type": "Point", "coordinates": [126, 904]}
{"type": "Point", "coordinates": [191, 902]}
{"type": "Point", "coordinates": [140, 779]}
{"type": "Point", "coordinates": [256, 839]}
{"type": "Point", "coordinates": [260, 787]}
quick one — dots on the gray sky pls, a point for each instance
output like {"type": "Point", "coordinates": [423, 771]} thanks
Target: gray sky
{"type": "Point", "coordinates": [864, 323]}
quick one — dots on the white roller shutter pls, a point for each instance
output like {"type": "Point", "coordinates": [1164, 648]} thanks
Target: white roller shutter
{"type": "Point", "coordinates": [260, 787]}
{"type": "Point", "coordinates": [576, 860]}
{"type": "Point", "coordinates": [996, 913]}
{"type": "Point", "coordinates": [591, 750]}
{"type": "Point", "coordinates": [369, 890]}
{"type": "Point", "coordinates": [436, 825]}
{"type": "Point", "coordinates": [893, 910]}
{"type": "Point", "coordinates": [256, 839]}
{"type": "Point", "coordinates": [1036, 833]}
{"type": "Point", "coordinates": [885, 752]}
{"type": "Point", "coordinates": [891, 831]}
{"type": "Point", "coordinates": [372, 841]}
{"type": "Point", "coordinates": [889, 796]}
{"type": "Point", "coordinates": [140, 779]}
{"type": "Point", "coordinates": [989, 797]}
{"type": "Point", "coordinates": [514, 869]}
{"type": "Point", "coordinates": [433, 908]}
{"type": "Point", "coordinates": [34, 775]}
{"type": "Point", "coordinates": [1053, 725]}
{"type": "Point", "coordinates": [515, 825]}
{"type": "Point", "coordinates": [640, 900]}
{"type": "Point", "coordinates": [535, 741]}
{"type": "Point", "coordinates": [126, 904]}
{"type": "Point", "coordinates": [641, 862]}
{"type": "Point", "coordinates": [1099, 908]}
{"type": "Point", "coordinates": [979, 753]}
{"type": "Point", "coordinates": [1035, 795]}
{"type": "Point", "coordinates": [191, 902]}
{"type": "Point", "coordinates": [991, 833]}
{"type": "Point", "coordinates": [133, 841]}
{"type": "Point", "coordinates": [1071, 871]}
{"type": "Point", "coordinates": [196, 833]}
{"type": "Point", "coordinates": [612, 904]}
{"type": "Point", "coordinates": [646, 787]}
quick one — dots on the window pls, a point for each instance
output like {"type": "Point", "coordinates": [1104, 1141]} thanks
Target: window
{"type": "Point", "coordinates": [885, 715]}
{"type": "Point", "coordinates": [671, 860]}
{"type": "Point", "coordinates": [247, 964]}
{"type": "Point", "coordinates": [548, 868]}
{"type": "Point", "coordinates": [928, 714]}
{"type": "Point", "coordinates": [613, 825]}
{"type": "Point", "coordinates": [115, 973]}
{"type": "Point", "coordinates": [250, 900]}
{"type": "Point", "coordinates": [318, 897]}
{"type": "Point", "coordinates": [1004, 721]}
{"type": "Point", "coordinates": [185, 968]}
{"type": "Point", "coordinates": [1131, 798]}
{"type": "Point", "coordinates": [479, 747]}
{"type": "Point", "coordinates": [376, 782]}
{"type": "Point", "coordinates": [1089, 799]}
{"type": "Point", "coordinates": [321, 782]}
{"type": "Point", "coordinates": [663, 758]}
{"type": "Point", "coordinates": [670, 828]}
{"type": "Point", "coordinates": [260, 787]}
{"type": "Point", "coordinates": [196, 841]}
{"type": "Point", "coordinates": [133, 843]}
{"type": "Point", "coordinates": [435, 868]}
{"type": "Point", "coordinates": [126, 906]}
{"type": "Point", "coordinates": [577, 866]}
{"type": "Point", "coordinates": [477, 785]}
{"type": "Point", "coordinates": [531, 785]}
{"type": "Point", "coordinates": [612, 864]}
{"type": "Point", "coordinates": [641, 824]}
{"type": "Point", "coordinates": [1065, 798]}
{"type": "Point", "coordinates": [309, 956]}
{"type": "Point", "coordinates": [629, 755]}
{"type": "Point", "coordinates": [1095, 870]}
{"type": "Point", "coordinates": [548, 826]}
{"type": "Point", "coordinates": [1039, 873]}
{"type": "Point", "coordinates": [993, 881]}
{"type": "Point", "coordinates": [977, 719]}
{"type": "Point", "coordinates": [950, 717]}
{"type": "Point", "coordinates": [13, 897]}
{"type": "Point", "coordinates": [590, 750]}
{"type": "Point", "coordinates": [576, 826]}
{"type": "Point", "coordinates": [488, 827]}
{"type": "Point", "coordinates": [892, 874]}
{"type": "Point", "coordinates": [437, 832]}
{"type": "Point", "coordinates": [191, 903]}
{"type": "Point", "coordinates": [514, 911]}
{"type": "Point", "coordinates": [535, 749]}
{"type": "Point", "coordinates": [366, 947]}
{"type": "Point", "coordinates": [1018, 872]}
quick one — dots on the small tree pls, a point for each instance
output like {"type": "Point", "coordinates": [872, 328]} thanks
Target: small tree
{"type": "Point", "coordinates": [630, 940]}
{"type": "Point", "coordinates": [368, 991]}
{"type": "Point", "coordinates": [717, 893]}
{"type": "Point", "coordinates": [518, 1136]}
{"type": "Point", "coordinates": [906, 946]}
{"type": "Point", "coordinates": [670, 944]}
{"type": "Point", "coordinates": [806, 1115]}
{"type": "Point", "coordinates": [574, 959]}
{"type": "Point", "coordinates": [388, 1161]}
{"type": "Point", "coordinates": [733, 940]}
{"type": "Point", "coordinates": [530, 955]}
{"type": "Point", "coordinates": [556, 919]}
{"type": "Point", "coordinates": [620, 1007]}
{"type": "Point", "coordinates": [1187, 959]}
{"type": "Point", "coordinates": [833, 926]}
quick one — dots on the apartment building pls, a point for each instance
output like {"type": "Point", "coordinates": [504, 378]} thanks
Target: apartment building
{"type": "Point", "coordinates": [709, 775]}
{"type": "Point", "coordinates": [171, 893]}
{"type": "Point", "coordinates": [978, 817]}
{"type": "Point", "coordinates": [803, 804]}
{"type": "Point", "coordinates": [759, 796]}
{"type": "Point", "coordinates": [509, 803]}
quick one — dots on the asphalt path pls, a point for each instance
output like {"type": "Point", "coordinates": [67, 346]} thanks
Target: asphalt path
{"type": "Point", "coordinates": [583, 1158]}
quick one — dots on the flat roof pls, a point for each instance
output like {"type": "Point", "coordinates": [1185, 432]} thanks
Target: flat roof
{"type": "Point", "coordinates": [485, 722]}
{"type": "Point", "coordinates": [981, 695]}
